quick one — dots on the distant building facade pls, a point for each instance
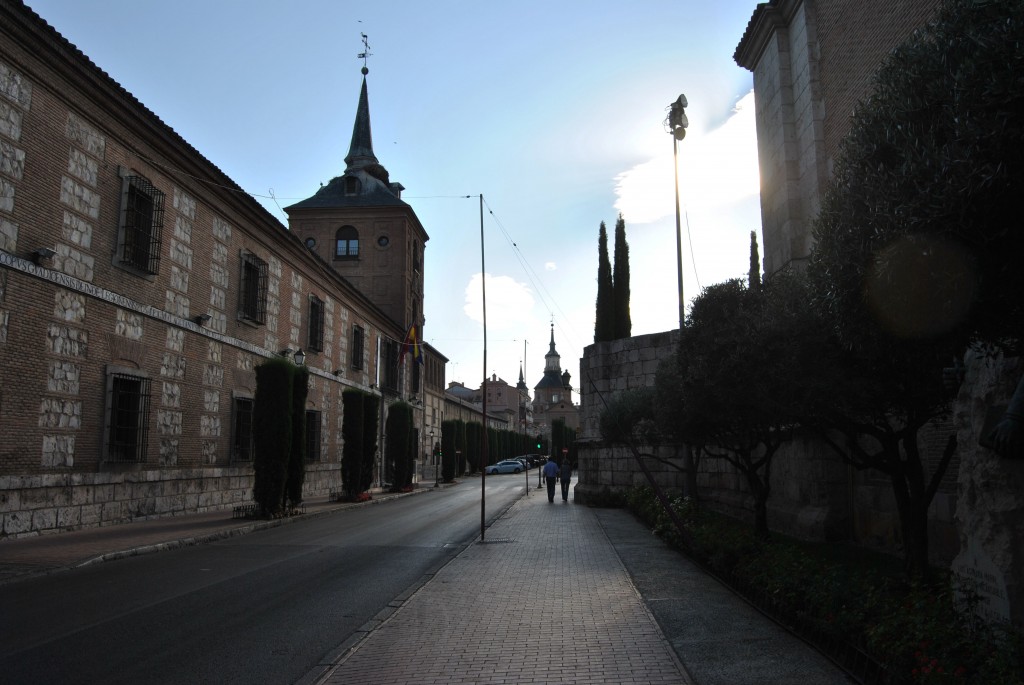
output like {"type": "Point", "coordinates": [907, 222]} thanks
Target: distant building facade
{"type": "Point", "coordinates": [552, 396]}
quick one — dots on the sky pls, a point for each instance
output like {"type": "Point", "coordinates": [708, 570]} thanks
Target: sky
{"type": "Point", "coordinates": [552, 111]}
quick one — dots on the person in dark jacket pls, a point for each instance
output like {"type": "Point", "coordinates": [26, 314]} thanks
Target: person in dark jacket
{"type": "Point", "coordinates": [565, 474]}
{"type": "Point", "coordinates": [551, 474]}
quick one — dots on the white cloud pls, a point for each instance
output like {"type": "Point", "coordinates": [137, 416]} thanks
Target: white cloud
{"type": "Point", "coordinates": [715, 168]}
{"type": "Point", "coordinates": [550, 266]}
{"type": "Point", "coordinates": [509, 303]}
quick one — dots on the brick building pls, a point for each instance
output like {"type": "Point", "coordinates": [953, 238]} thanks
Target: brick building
{"type": "Point", "coordinates": [140, 287]}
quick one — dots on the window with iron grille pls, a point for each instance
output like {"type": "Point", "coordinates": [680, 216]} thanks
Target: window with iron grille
{"type": "Point", "coordinates": [127, 418]}
{"type": "Point", "coordinates": [253, 292]}
{"type": "Point", "coordinates": [142, 220]}
{"type": "Point", "coordinates": [241, 433]}
{"type": "Point", "coordinates": [312, 435]}
{"type": "Point", "coordinates": [316, 324]}
{"type": "Point", "coordinates": [346, 243]}
{"type": "Point", "coordinates": [358, 343]}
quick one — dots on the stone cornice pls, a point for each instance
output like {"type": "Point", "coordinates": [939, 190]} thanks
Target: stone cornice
{"type": "Point", "coordinates": [768, 17]}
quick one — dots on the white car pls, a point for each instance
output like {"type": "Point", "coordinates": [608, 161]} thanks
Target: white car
{"type": "Point", "coordinates": [507, 466]}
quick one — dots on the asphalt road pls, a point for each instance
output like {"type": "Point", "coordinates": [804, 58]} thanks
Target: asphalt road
{"type": "Point", "coordinates": [258, 608]}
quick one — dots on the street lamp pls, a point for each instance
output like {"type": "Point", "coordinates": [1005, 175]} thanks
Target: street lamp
{"type": "Point", "coordinates": [676, 123]}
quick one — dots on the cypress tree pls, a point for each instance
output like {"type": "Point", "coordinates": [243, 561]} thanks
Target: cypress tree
{"type": "Point", "coordinates": [623, 327]}
{"type": "Point", "coordinates": [603, 325]}
{"type": "Point", "coordinates": [473, 433]}
{"type": "Point", "coordinates": [448, 450]}
{"type": "Point", "coordinates": [754, 275]}
{"type": "Point", "coordinates": [297, 458]}
{"type": "Point", "coordinates": [398, 429]}
{"type": "Point", "coordinates": [371, 421]}
{"type": "Point", "coordinates": [272, 431]}
{"type": "Point", "coordinates": [352, 433]}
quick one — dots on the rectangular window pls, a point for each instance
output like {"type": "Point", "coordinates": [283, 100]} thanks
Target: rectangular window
{"type": "Point", "coordinates": [253, 292]}
{"type": "Point", "coordinates": [142, 220]}
{"type": "Point", "coordinates": [346, 248]}
{"type": "Point", "coordinates": [316, 324]}
{"type": "Point", "coordinates": [312, 435]}
{"type": "Point", "coordinates": [127, 418]}
{"type": "Point", "coordinates": [241, 433]}
{"type": "Point", "coordinates": [358, 342]}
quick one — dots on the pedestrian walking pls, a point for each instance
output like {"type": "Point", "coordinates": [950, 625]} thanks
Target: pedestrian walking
{"type": "Point", "coordinates": [565, 474]}
{"type": "Point", "coordinates": [551, 474]}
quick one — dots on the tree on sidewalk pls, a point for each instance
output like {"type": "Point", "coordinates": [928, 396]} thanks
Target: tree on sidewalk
{"type": "Point", "coordinates": [916, 251]}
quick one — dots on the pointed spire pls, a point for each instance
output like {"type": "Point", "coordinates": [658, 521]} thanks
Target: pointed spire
{"type": "Point", "coordinates": [552, 360]}
{"type": "Point", "coordinates": [360, 152]}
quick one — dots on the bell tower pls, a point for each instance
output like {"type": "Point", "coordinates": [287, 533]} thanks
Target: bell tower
{"type": "Point", "coordinates": [359, 225]}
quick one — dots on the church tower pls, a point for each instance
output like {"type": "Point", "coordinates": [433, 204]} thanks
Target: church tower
{"type": "Point", "coordinates": [360, 226]}
{"type": "Point", "coordinates": [551, 388]}
{"type": "Point", "coordinates": [552, 398]}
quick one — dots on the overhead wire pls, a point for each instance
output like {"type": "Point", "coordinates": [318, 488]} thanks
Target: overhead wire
{"type": "Point", "coordinates": [535, 280]}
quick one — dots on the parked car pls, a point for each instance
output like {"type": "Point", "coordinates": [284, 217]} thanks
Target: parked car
{"type": "Point", "coordinates": [506, 466]}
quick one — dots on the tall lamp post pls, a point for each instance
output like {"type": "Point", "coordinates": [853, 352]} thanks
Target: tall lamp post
{"type": "Point", "coordinates": [677, 123]}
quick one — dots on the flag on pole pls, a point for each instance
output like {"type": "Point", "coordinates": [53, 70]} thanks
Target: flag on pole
{"type": "Point", "coordinates": [412, 345]}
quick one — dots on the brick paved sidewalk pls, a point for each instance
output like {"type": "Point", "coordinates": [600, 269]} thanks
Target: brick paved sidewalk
{"type": "Point", "coordinates": [545, 599]}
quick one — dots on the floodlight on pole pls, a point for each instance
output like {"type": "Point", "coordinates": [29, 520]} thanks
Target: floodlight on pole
{"type": "Point", "coordinates": [676, 123]}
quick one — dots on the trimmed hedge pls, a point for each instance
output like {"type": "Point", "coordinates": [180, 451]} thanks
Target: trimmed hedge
{"type": "Point", "coordinates": [352, 424]}
{"type": "Point", "coordinates": [399, 429]}
{"type": "Point", "coordinates": [297, 457]}
{"type": "Point", "coordinates": [272, 432]}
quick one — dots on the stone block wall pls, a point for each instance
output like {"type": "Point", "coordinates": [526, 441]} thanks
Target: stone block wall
{"type": "Point", "coordinates": [990, 509]}
{"type": "Point", "coordinates": [606, 369]}
{"type": "Point", "coordinates": [51, 503]}
{"type": "Point", "coordinates": [814, 494]}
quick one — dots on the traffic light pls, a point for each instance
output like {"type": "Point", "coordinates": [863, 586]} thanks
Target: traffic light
{"type": "Point", "coordinates": [538, 445]}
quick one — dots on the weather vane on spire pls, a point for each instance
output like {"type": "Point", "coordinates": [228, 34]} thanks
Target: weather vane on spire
{"type": "Point", "coordinates": [365, 54]}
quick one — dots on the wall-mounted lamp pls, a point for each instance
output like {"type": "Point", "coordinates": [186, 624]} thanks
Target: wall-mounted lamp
{"type": "Point", "coordinates": [41, 254]}
{"type": "Point", "coordinates": [299, 357]}
{"type": "Point", "coordinates": [201, 318]}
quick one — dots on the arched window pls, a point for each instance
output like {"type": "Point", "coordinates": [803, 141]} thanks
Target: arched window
{"type": "Point", "coordinates": [346, 243]}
